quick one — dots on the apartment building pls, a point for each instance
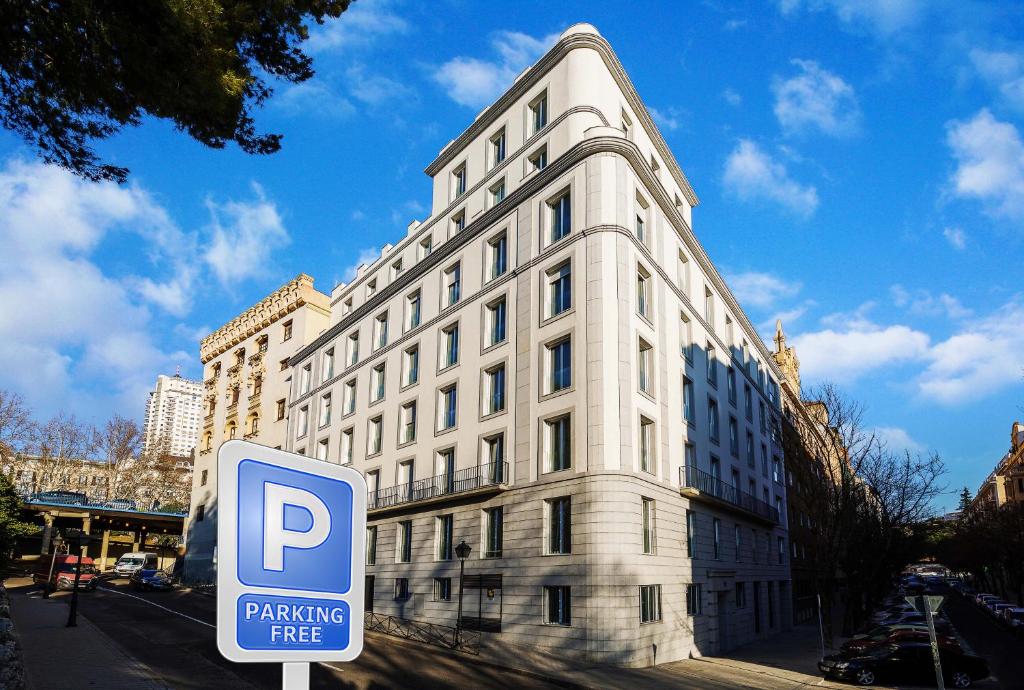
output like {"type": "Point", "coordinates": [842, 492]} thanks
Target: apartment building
{"type": "Point", "coordinates": [550, 369]}
{"type": "Point", "coordinates": [173, 411]}
{"type": "Point", "coordinates": [1005, 484]}
{"type": "Point", "coordinates": [245, 395]}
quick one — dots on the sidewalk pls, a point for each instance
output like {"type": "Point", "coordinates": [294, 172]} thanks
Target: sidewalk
{"type": "Point", "coordinates": [57, 657]}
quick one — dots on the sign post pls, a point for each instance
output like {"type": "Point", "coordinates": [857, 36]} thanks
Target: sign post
{"type": "Point", "coordinates": [291, 537]}
{"type": "Point", "coordinates": [929, 605]}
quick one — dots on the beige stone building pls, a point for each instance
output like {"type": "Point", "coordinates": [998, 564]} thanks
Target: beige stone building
{"type": "Point", "coordinates": [550, 369]}
{"type": "Point", "coordinates": [245, 395]}
{"type": "Point", "coordinates": [1005, 484]}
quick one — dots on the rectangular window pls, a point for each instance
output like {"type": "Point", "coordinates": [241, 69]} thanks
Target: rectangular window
{"type": "Point", "coordinates": [776, 469]}
{"type": "Point", "coordinates": [782, 547]}
{"type": "Point", "coordinates": [493, 532]}
{"type": "Point", "coordinates": [286, 331]}
{"type": "Point", "coordinates": [453, 284]}
{"type": "Point", "coordinates": [448, 407]}
{"type": "Point", "coordinates": [408, 423]}
{"type": "Point", "coordinates": [764, 460]}
{"type": "Point", "coordinates": [396, 269]}
{"type": "Point", "coordinates": [497, 192]}
{"type": "Point", "coordinates": [450, 346]}
{"type": "Point", "coordinates": [643, 293]}
{"type": "Point", "coordinates": [717, 534]}
{"type": "Point", "coordinates": [404, 553]}
{"type": "Point", "coordinates": [494, 458]}
{"type": "Point", "coordinates": [730, 384]}
{"type": "Point", "coordinates": [349, 397]}
{"type": "Point", "coordinates": [560, 217]}
{"type": "Point", "coordinates": [302, 423]}
{"type": "Point", "coordinates": [401, 588]}
{"type": "Point", "coordinates": [411, 366]}
{"type": "Point", "coordinates": [684, 273]}
{"type": "Point", "coordinates": [496, 318]}
{"type": "Point", "coordinates": [713, 419]}
{"type": "Point", "coordinates": [281, 404]}
{"type": "Point", "coordinates": [325, 410]}
{"type": "Point", "coordinates": [748, 402]}
{"type": "Point", "coordinates": [376, 436]}
{"type": "Point", "coordinates": [200, 512]}
{"type": "Point", "coordinates": [694, 600]}
{"type": "Point", "coordinates": [738, 539]}
{"type": "Point", "coordinates": [371, 288]}
{"type": "Point", "coordinates": [647, 517]}
{"type": "Point", "coordinates": [686, 338]}
{"type": "Point", "coordinates": [494, 389]}
{"type": "Point", "coordinates": [413, 310]}
{"type": "Point", "coordinates": [539, 112]}
{"type": "Point", "coordinates": [559, 365]}
{"type": "Point", "coordinates": [442, 589]}
{"type": "Point", "coordinates": [426, 246]}
{"type": "Point", "coordinates": [558, 603]}
{"type": "Point", "coordinates": [645, 367]}
{"type": "Point", "coordinates": [352, 349]}
{"type": "Point", "coordinates": [741, 595]}
{"type": "Point", "coordinates": [498, 148]}
{"type": "Point", "coordinates": [764, 417]}
{"type": "Point", "coordinates": [650, 603]}
{"type": "Point", "coordinates": [497, 256]}
{"type": "Point", "coordinates": [445, 525]}
{"type": "Point", "coordinates": [712, 365]}
{"type": "Point", "coordinates": [691, 533]}
{"type": "Point", "coordinates": [371, 545]}
{"type": "Point", "coordinates": [560, 525]}
{"type": "Point", "coordinates": [327, 367]}
{"type": "Point", "coordinates": [202, 477]}
{"type": "Point", "coordinates": [304, 378]}
{"type": "Point", "coordinates": [640, 223]}
{"type": "Point", "coordinates": [538, 160]}
{"type": "Point", "coordinates": [445, 470]}
{"type": "Point", "coordinates": [459, 180]}
{"type": "Point", "coordinates": [709, 308]}
{"type": "Point", "coordinates": [626, 125]}
{"type": "Point", "coordinates": [557, 444]}
{"type": "Point", "coordinates": [377, 383]}
{"type": "Point", "coordinates": [347, 443]}
{"type": "Point", "coordinates": [647, 441]}
{"type": "Point", "coordinates": [559, 289]}
{"type": "Point", "coordinates": [734, 437]}
{"type": "Point", "coordinates": [689, 403]}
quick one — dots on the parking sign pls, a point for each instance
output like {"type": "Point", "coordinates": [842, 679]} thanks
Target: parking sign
{"type": "Point", "coordinates": [291, 535]}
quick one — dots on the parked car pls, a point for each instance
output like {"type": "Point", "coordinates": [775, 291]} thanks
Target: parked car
{"type": "Point", "coordinates": [904, 617]}
{"type": "Point", "coordinates": [907, 634]}
{"type": "Point", "coordinates": [892, 611]}
{"type": "Point", "coordinates": [906, 662]}
{"type": "Point", "coordinates": [130, 562]}
{"type": "Point", "coordinates": [981, 597]}
{"type": "Point", "coordinates": [996, 608]}
{"type": "Point", "coordinates": [67, 498]}
{"type": "Point", "coordinates": [63, 576]}
{"type": "Point", "coordinates": [885, 629]}
{"type": "Point", "coordinates": [1014, 617]}
{"type": "Point", "coordinates": [151, 579]}
{"type": "Point", "coordinates": [121, 504]}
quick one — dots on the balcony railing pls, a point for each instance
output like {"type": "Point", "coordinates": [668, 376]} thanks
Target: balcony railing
{"type": "Point", "coordinates": [710, 485]}
{"type": "Point", "coordinates": [492, 474]}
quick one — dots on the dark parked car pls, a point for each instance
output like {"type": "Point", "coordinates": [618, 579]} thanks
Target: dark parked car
{"type": "Point", "coordinates": [67, 498]}
{"type": "Point", "coordinates": [904, 663]}
{"type": "Point", "coordinates": [151, 579]}
{"type": "Point", "coordinates": [887, 636]}
{"type": "Point", "coordinates": [121, 504]}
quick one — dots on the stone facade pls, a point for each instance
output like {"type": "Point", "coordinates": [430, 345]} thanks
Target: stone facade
{"type": "Point", "coordinates": [1005, 484]}
{"type": "Point", "coordinates": [173, 411]}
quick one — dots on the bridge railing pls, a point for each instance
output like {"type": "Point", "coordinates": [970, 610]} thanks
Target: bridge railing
{"type": "Point", "coordinates": [81, 500]}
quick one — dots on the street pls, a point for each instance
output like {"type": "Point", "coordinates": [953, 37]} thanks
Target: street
{"type": "Point", "coordinates": [1004, 650]}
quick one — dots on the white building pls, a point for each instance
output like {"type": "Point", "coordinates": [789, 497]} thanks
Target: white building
{"type": "Point", "coordinates": [550, 369]}
{"type": "Point", "coordinates": [173, 413]}
{"type": "Point", "coordinates": [245, 395]}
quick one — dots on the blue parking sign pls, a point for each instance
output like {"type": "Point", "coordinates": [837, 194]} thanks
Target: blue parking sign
{"type": "Point", "coordinates": [291, 544]}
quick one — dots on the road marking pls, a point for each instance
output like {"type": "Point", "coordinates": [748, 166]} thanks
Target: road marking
{"type": "Point", "coordinates": [151, 603]}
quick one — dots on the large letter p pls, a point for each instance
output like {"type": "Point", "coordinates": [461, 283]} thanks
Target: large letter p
{"type": "Point", "coordinates": [276, 537]}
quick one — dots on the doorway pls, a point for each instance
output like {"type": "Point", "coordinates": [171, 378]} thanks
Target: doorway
{"type": "Point", "coordinates": [483, 611]}
{"type": "Point", "coordinates": [722, 604]}
{"type": "Point", "coordinates": [368, 594]}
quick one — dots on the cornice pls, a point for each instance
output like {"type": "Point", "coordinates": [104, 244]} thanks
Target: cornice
{"type": "Point", "coordinates": [278, 304]}
{"type": "Point", "coordinates": [534, 74]}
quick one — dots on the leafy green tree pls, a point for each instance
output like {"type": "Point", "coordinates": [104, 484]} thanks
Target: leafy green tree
{"type": "Point", "coordinates": [11, 525]}
{"type": "Point", "coordinates": [76, 71]}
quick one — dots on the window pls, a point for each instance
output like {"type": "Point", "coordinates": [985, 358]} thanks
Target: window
{"type": "Point", "coordinates": [734, 437]}
{"type": "Point", "coordinates": [557, 444]}
{"type": "Point", "coordinates": [445, 470]}
{"type": "Point", "coordinates": [776, 469]}
{"type": "Point", "coordinates": [712, 365]}
{"type": "Point", "coordinates": [497, 192]}
{"type": "Point", "coordinates": [559, 289]}
{"type": "Point", "coordinates": [495, 319]}
{"type": "Point", "coordinates": [347, 443]}
{"type": "Point", "coordinates": [689, 404]}
{"type": "Point", "coordinates": [694, 600]}
{"type": "Point", "coordinates": [690, 455]}
{"type": "Point", "coordinates": [646, 445]}
{"type": "Point", "coordinates": [494, 389]}
{"type": "Point", "coordinates": [402, 588]}
{"type": "Point", "coordinates": [371, 545]}
{"type": "Point", "coordinates": [643, 293]}
{"type": "Point", "coordinates": [411, 365]}
{"type": "Point", "coordinates": [493, 526]}
{"type": "Point", "coordinates": [349, 397]}
{"type": "Point", "coordinates": [376, 436]}
{"type": "Point", "coordinates": [538, 160]}
{"type": "Point", "coordinates": [371, 288]}
{"type": "Point", "coordinates": [560, 525]}
{"type": "Point", "coordinates": [764, 460]}
{"type": "Point", "coordinates": [709, 308]}
{"type": "Point", "coordinates": [302, 424]}
{"type": "Point", "coordinates": [497, 256]}
{"type": "Point", "coordinates": [750, 450]}
{"type": "Point", "coordinates": [647, 517]}
{"type": "Point", "coordinates": [202, 478]}
{"type": "Point", "coordinates": [200, 512]}
{"type": "Point", "coordinates": [713, 420]}
{"type": "Point", "coordinates": [459, 179]}
{"type": "Point", "coordinates": [645, 367]}
{"type": "Point", "coordinates": [325, 410]}
{"type": "Point", "coordinates": [730, 385]}
{"type": "Point", "coordinates": [444, 526]}
{"type": "Point", "coordinates": [396, 269]}
{"type": "Point", "coordinates": [559, 365]}
{"type": "Point", "coordinates": [280, 409]}
{"type": "Point", "coordinates": [372, 487]}
{"type": "Point", "coordinates": [458, 223]}
{"type": "Point", "coordinates": [453, 284]}
{"type": "Point", "coordinates": [650, 603]}
{"type": "Point", "coordinates": [413, 311]}
{"type": "Point", "coordinates": [327, 366]}
{"type": "Point", "coordinates": [539, 112]}
{"type": "Point", "coordinates": [352, 349]}
{"type": "Point", "coordinates": [686, 338]}
{"type": "Point", "coordinates": [626, 125]}
{"type": "Point", "coordinates": [640, 224]}
{"type": "Point", "coordinates": [498, 148]}
{"type": "Point", "coordinates": [347, 306]}
{"type": "Point", "coordinates": [304, 379]}
{"type": "Point", "coordinates": [442, 589]}
{"type": "Point", "coordinates": [782, 547]}
{"type": "Point", "coordinates": [558, 602]}
{"type": "Point", "coordinates": [691, 533]}
{"type": "Point", "coordinates": [448, 407]}
{"type": "Point", "coordinates": [286, 331]}
{"type": "Point", "coordinates": [377, 383]}
{"type": "Point", "coordinates": [404, 553]}
{"type": "Point", "coordinates": [560, 217]}
{"type": "Point", "coordinates": [717, 534]}
{"type": "Point", "coordinates": [738, 539]}
{"type": "Point", "coordinates": [426, 246]}
{"type": "Point", "coordinates": [408, 423]}
{"type": "Point", "coordinates": [716, 469]}
{"type": "Point", "coordinates": [684, 273]}
{"type": "Point", "coordinates": [321, 449]}
{"type": "Point", "coordinates": [748, 402]}
{"type": "Point", "coordinates": [494, 457]}
{"type": "Point", "coordinates": [730, 333]}
{"type": "Point", "coordinates": [380, 331]}
{"type": "Point", "coordinates": [450, 346]}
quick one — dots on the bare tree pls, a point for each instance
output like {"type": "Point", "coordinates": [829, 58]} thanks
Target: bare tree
{"type": "Point", "coordinates": [61, 444]}
{"type": "Point", "coordinates": [118, 444]}
{"type": "Point", "coordinates": [16, 425]}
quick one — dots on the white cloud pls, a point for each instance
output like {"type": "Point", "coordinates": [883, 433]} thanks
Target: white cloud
{"type": "Point", "coordinates": [760, 290]}
{"type": "Point", "coordinates": [844, 354]}
{"type": "Point", "coordinates": [990, 163]}
{"type": "Point", "coordinates": [475, 82]}
{"type": "Point", "coordinates": [897, 439]}
{"type": "Point", "coordinates": [956, 237]}
{"type": "Point", "coordinates": [732, 97]}
{"type": "Point", "coordinates": [924, 303]}
{"type": "Point", "coordinates": [734, 24]}
{"type": "Point", "coordinates": [1003, 70]}
{"type": "Point", "coordinates": [366, 256]}
{"type": "Point", "coordinates": [815, 98]}
{"type": "Point", "coordinates": [314, 98]}
{"type": "Point", "coordinates": [880, 16]}
{"type": "Point", "coordinates": [364, 22]}
{"type": "Point", "coordinates": [666, 119]}
{"type": "Point", "coordinates": [752, 174]}
{"type": "Point", "coordinates": [244, 234]}
{"type": "Point", "coordinates": [374, 89]}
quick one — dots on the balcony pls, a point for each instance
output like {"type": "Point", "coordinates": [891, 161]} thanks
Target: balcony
{"type": "Point", "coordinates": [702, 486]}
{"type": "Point", "coordinates": [472, 481]}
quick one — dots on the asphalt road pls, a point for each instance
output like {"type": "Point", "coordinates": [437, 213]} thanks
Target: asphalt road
{"type": "Point", "coordinates": [173, 633]}
{"type": "Point", "coordinates": [987, 638]}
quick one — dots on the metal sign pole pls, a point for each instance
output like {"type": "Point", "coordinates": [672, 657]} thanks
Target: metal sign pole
{"type": "Point", "coordinates": [295, 676]}
{"type": "Point", "coordinates": [821, 628]}
{"type": "Point", "coordinates": [927, 602]}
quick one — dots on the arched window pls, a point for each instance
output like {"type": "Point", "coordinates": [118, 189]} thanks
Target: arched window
{"type": "Point", "coordinates": [254, 424]}
{"type": "Point", "coordinates": [232, 429]}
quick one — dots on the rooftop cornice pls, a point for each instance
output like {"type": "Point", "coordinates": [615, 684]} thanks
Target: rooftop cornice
{"type": "Point", "coordinates": [529, 79]}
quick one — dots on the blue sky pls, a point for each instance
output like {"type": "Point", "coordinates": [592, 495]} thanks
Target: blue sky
{"type": "Point", "coordinates": [860, 165]}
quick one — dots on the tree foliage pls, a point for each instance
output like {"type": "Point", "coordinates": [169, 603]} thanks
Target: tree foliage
{"type": "Point", "coordinates": [11, 525]}
{"type": "Point", "coordinates": [76, 71]}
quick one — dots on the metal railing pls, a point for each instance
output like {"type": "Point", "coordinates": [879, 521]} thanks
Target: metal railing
{"type": "Point", "coordinates": [461, 481]}
{"type": "Point", "coordinates": [61, 497]}
{"type": "Point", "coordinates": [713, 486]}
{"type": "Point", "coordinates": [429, 633]}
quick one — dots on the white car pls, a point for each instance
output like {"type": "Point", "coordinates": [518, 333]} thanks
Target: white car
{"type": "Point", "coordinates": [130, 562]}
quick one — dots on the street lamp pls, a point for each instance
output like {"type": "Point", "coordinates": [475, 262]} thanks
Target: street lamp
{"type": "Point", "coordinates": [462, 551]}
{"type": "Point", "coordinates": [79, 542]}
{"type": "Point", "coordinates": [58, 544]}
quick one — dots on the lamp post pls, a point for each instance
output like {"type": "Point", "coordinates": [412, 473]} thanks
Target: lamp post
{"type": "Point", "coordinates": [79, 542]}
{"type": "Point", "coordinates": [462, 551]}
{"type": "Point", "coordinates": [58, 544]}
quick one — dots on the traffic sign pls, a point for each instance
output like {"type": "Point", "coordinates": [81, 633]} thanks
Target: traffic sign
{"type": "Point", "coordinates": [291, 535]}
{"type": "Point", "coordinates": [918, 602]}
